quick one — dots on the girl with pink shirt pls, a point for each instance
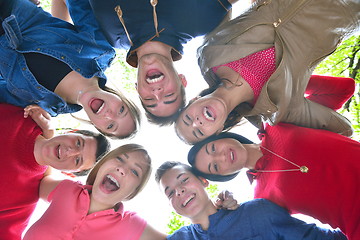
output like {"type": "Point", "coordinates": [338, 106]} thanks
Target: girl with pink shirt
{"type": "Point", "coordinates": [95, 210]}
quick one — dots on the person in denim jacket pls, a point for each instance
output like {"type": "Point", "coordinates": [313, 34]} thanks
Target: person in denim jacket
{"type": "Point", "coordinates": [60, 66]}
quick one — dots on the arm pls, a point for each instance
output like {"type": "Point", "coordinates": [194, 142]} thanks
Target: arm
{"type": "Point", "coordinates": [42, 119]}
{"type": "Point", "coordinates": [47, 185]}
{"type": "Point", "coordinates": [60, 10]}
{"type": "Point", "coordinates": [288, 227]}
{"type": "Point", "coordinates": [331, 92]}
{"type": "Point", "coordinates": [150, 233]}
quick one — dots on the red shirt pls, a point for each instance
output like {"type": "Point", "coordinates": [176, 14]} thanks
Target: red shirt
{"type": "Point", "coordinates": [20, 173]}
{"type": "Point", "coordinates": [67, 218]}
{"type": "Point", "coordinates": [330, 190]}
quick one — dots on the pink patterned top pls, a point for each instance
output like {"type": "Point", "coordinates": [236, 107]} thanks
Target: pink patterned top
{"type": "Point", "coordinates": [255, 68]}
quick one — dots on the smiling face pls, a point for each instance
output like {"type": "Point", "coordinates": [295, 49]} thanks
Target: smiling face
{"type": "Point", "coordinates": [108, 113]}
{"type": "Point", "coordinates": [201, 119]}
{"type": "Point", "coordinates": [221, 157]}
{"type": "Point", "coordinates": [73, 152]}
{"type": "Point", "coordinates": [119, 177]}
{"type": "Point", "coordinates": [186, 193]}
{"type": "Point", "coordinates": [159, 85]}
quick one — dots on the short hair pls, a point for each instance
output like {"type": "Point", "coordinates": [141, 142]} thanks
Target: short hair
{"type": "Point", "coordinates": [118, 151]}
{"type": "Point", "coordinates": [164, 167]}
{"type": "Point", "coordinates": [102, 147]}
{"type": "Point", "coordinates": [168, 120]}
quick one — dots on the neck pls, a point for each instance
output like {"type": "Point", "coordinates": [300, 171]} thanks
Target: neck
{"type": "Point", "coordinates": [151, 47]}
{"type": "Point", "coordinates": [203, 217]}
{"type": "Point", "coordinates": [235, 90]}
{"type": "Point", "coordinates": [73, 85]}
{"type": "Point", "coordinates": [39, 141]}
{"type": "Point", "coordinates": [96, 206]}
{"type": "Point", "coordinates": [254, 154]}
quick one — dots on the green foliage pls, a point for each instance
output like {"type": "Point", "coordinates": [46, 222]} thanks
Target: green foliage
{"type": "Point", "coordinates": [345, 62]}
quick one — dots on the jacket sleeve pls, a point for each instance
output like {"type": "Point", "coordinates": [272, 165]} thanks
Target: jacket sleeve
{"type": "Point", "coordinates": [83, 18]}
{"type": "Point", "coordinates": [331, 92]}
{"type": "Point", "coordinates": [290, 228]}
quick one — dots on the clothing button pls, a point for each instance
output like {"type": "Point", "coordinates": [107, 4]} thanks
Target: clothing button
{"type": "Point", "coordinates": [38, 49]}
{"type": "Point", "coordinates": [24, 68]}
{"type": "Point", "coordinates": [38, 87]}
{"type": "Point", "coordinates": [78, 69]}
{"type": "Point", "coordinates": [62, 57]}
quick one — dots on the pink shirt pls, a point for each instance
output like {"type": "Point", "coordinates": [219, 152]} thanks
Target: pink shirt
{"type": "Point", "coordinates": [67, 218]}
{"type": "Point", "coordinates": [255, 68]}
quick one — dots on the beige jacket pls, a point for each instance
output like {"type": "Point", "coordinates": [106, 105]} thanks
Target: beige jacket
{"type": "Point", "coordinates": [303, 32]}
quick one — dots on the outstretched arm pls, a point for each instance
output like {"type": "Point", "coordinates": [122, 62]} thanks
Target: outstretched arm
{"type": "Point", "coordinates": [331, 92]}
{"type": "Point", "coordinates": [42, 119]}
{"type": "Point", "coordinates": [47, 185]}
{"type": "Point", "coordinates": [150, 233]}
{"type": "Point", "coordinates": [226, 200]}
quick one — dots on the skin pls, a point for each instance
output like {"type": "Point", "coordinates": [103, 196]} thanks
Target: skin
{"type": "Point", "coordinates": [69, 152]}
{"type": "Point", "coordinates": [206, 115]}
{"type": "Point", "coordinates": [128, 170]}
{"type": "Point", "coordinates": [227, 156]}
{"type": "Point", "coordinates": [105, 110]}
{"type": "Point", "coordinates": [158, 83]}
{"type": "Point", "coordinates": [180, 186]}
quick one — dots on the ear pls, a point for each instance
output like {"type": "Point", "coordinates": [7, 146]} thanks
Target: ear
{"type": "Point", "coordinates": [204, 181]}
{"type": "Point", "coordinates": [183, 80]}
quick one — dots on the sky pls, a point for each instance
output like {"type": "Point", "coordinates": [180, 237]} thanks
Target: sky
{"type": "Point", "coordinates": [163, 145]}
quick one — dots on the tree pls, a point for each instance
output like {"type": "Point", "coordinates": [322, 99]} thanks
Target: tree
{"type": "Point", "coordinates": [345, 62]}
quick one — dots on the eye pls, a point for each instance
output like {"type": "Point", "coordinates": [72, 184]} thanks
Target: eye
{"type": "Point", "coordinates": [78, 143]}
{"type": "Point", "coordinates": [77, 160]}
{"type": "Point", "coordinates": [135, 172]}
{"type": "Point", "coordinates": [122, 109]}
{"type": "Point", "coordinates": [201, 133]}
{"type": "Point", "coordinates": [120, 159]}
{"type": "Point", "coordinates": [184, 180]}
{"type": "Point", "coordinates": [216, 167]}
{"type": "Point", "coordinates": [170, 194]}
{"type": "Point", "coordinates": [213, 148]}
{"type": "Point", "coordinates": [110, 126]}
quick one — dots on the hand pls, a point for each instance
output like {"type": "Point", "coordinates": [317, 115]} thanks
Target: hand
{"type": "Point", "coordinates": [42, 119]}
{"type": "Point", "coordinates": [226, 201]}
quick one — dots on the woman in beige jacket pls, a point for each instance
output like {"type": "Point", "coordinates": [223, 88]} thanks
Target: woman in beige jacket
{"type": "Point", "coordinates": [280, 43]}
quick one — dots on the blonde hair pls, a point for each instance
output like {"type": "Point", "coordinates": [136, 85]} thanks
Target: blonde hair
{"type": "Point", "coordinates": [113, 154]}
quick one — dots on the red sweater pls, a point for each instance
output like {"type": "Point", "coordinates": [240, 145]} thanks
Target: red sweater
{"type": "Point", "coordinates": [20, 174]}
{"type": "Point", "coordinates": [329, 191]}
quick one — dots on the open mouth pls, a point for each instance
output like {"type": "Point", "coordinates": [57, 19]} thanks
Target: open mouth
{"type": "Point", "coordinates": [96, 105]}
{"type": "Point", "coordinates": [232, 156]}
{"type": "Point", "coordinates": [154, 77]}
{"type": "Point", "coordinates": [57, 151]}
{"type": "Point", "coordinates": [209, 114]}
{"type": "Point", "coordinates": [188, 200]}
{"type": "Point", "coordinates": [110, 183]}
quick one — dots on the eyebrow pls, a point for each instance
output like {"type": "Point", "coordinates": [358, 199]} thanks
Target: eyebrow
{"type": "Point", "coordinates": [151, 106]}
{"type": "Point", "coordinates": [171, 101]}
{"type": "Point", "coordinates": [209, 168]}
{"type": "Point", "coordinates": [194, 133]}
{"type": "Point", "coordinates": [206, 149]}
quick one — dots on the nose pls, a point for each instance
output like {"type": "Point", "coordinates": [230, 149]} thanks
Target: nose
{"type": "Point", "coordinates": [122, 170]}
{"type": "Point", "coordinates": [157, 92]}
{"type": "Point", "coordinates": [179, 191]}
{"type": "Point", "coordinates": [197, 122]}
{"type": "Point", "coordinates": [219, 157]}
{"type": "Point", "coordinates": [70, 152]}
{"type": "Point", "coordinates": [109, 114]}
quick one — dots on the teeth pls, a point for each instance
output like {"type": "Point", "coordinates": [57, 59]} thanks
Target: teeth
{"type": "Point", "coordinates": [207, 115]}
{"type": "Point", "coordinates": [111, 178]}
{"type": "Point", "coordinates": [100, 108]}
{"type": "Point", "coordinates": [188, 200]}
{"type": "Point", "coordinates": [155, 80]}
{"type": "Point", "coordinates": [58, 152]}
{"type": "Point", "coordinates": [232, 155]}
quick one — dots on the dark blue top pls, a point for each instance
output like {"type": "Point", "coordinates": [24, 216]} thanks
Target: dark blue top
{"type": "Point", "coordinates": [81, 46]}
{"type": "Point", "coordinates": [181, 20]}
{"type": "Point", "coordinates": [257, 219]}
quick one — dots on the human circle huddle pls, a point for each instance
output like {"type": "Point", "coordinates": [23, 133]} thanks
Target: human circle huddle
{"type": "Point", "coordinates": [259, 67]}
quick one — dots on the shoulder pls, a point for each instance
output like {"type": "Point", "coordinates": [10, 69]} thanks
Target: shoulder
{"type": "Point", "coordinates": [183, 233]}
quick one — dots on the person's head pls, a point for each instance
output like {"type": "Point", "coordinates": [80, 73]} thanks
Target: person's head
{"type": "Point", "coordinates": [75, 152]}
{"type": "Point", "coordinates": [111, 113]}
{"type": "Point", "coordinates": [160, 88]}
{"type": "Point", "coordinates": [120, 175]}
{"type": "Point", "coordinates": [205, 116]}
{"type": "Point", "coordinates": [219, 157]}
{"type": "Point", "coordinates": [185, 191]}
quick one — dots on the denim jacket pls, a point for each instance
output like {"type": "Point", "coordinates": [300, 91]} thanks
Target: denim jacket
{"type": "Point", "coordinates": [30, 29]}
{"type": "Point", "coordinates": [257, 219]}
